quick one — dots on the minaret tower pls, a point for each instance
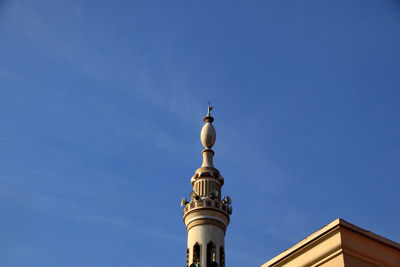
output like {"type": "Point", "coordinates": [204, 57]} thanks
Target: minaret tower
{"type": "Point", "coordinates": [206, 216]}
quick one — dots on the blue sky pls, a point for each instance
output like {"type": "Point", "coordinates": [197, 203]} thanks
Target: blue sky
{"type": "Point", "coordinates": [101, 106]}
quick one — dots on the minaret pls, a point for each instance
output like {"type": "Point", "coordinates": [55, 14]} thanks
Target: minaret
{"type": "Point", "coordinates": [206, 216]}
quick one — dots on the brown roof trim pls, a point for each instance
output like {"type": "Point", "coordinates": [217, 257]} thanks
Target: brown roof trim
{"type": "Point", "coordinates": [369, 234]}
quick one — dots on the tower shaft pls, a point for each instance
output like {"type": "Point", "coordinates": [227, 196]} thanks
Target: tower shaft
{"type": "Point", "coordinates": [206, 216]}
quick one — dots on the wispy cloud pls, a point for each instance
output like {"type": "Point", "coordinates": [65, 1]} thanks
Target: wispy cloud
{"type": "Point", "coordinates": [126, 225]}
{"type": "Point", "coordinates": [173, 94]}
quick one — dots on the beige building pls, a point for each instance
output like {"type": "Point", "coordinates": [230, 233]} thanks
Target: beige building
{"type": "Point", "coordinates": [340, 244]}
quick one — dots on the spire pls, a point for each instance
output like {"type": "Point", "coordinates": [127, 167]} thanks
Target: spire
{"type": "Point", "coordinates": [207, 215]}
{"type": "Point", "coordinates": [207, 137]}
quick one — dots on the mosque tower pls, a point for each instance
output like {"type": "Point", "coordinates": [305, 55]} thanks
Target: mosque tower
{"type": "Point", "coordinates": [206, 216]}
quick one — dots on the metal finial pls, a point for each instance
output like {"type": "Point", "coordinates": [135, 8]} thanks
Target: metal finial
{"type": "Point", "coordinates": [208, 118]}
{"type": "Point", "coordinates": [209, 109]}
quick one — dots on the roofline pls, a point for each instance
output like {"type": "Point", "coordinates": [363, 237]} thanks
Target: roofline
{"type": "Point", "coordinates": [325, 230]}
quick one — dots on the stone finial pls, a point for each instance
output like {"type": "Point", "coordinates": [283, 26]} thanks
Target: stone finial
{"type": "Point", "coordinates": [208, 133]}
{"type": "Point", "coordinates": [207, 137]}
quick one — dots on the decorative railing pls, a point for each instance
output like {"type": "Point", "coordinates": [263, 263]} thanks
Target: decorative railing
{"type": "Point", "coordinates": [206, 203]}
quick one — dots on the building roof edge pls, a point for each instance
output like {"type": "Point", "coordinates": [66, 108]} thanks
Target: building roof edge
{"type": "Point", "coordinates": [324, 231]}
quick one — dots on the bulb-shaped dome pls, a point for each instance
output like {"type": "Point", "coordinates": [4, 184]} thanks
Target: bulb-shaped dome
{"type": "Point", "coordinates": [208, 135]}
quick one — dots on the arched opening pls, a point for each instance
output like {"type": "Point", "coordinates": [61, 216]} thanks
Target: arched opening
{"type": "Point", "coordinates": [196, 254]}
{"type": "Point", "coordinates": [221, 257]}
{"type": "Point", "coordinates": [211, 254]}
{"type": "Point", "coordinates": [187, 257]}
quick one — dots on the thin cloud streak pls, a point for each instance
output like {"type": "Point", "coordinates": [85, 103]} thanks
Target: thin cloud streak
{"type": "Point", "coordinates": [126, 225]}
